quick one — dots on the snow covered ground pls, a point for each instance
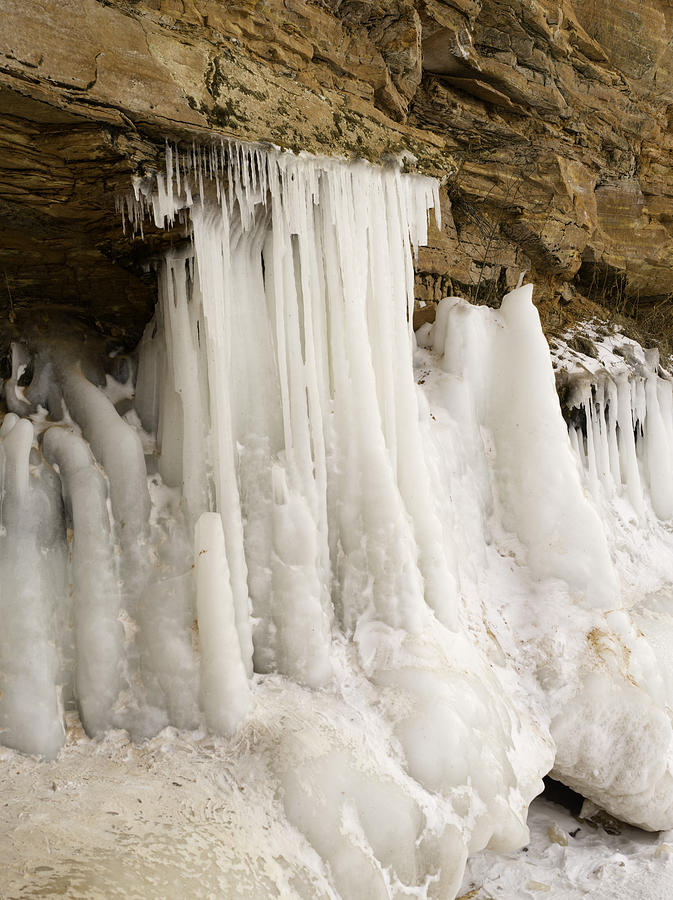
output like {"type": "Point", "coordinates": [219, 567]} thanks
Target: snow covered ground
{"type": "Point", "coordinates": [180, 816]}
{"type": "Point", "coordinates": [189, 816]}
{"type": "Point", "coordinates": [567, 859]}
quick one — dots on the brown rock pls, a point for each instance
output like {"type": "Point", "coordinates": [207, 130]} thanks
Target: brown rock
{"type": "Point", "coordinates": [585, 134]}
{"type": "Point", "coordinates": [90, 90]}
{"type": "Point", "coordinates": [557, 114]}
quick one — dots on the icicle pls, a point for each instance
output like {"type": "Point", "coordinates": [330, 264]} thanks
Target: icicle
{"type": "Point", "coordinates": [182, 362]}
{"type": "Point", "coordinates": [178, 174]}
{"type": "Point", "coordinates": [170, 177]}
{"type": "Point", "coordinates": [225, 693]}
{"type": "Point", "coordinates": [32, 594]}
{"type": "Point", "coordinates": [628, 458]}
{"type": "Point", "coordinates": [98, 632]}
{"type": "Point", "coordinates": [151, 351]}
{"type": "Point", "coordinates": [658, 453]}
{"type": "Point", "coordinates": [575, 442]}
{"type": "Point", "coordinates": [601, 437]}
{"type": "Point", "coordinates": [612, 413]}
{"type": "Point", "coordinates": [592, 456]}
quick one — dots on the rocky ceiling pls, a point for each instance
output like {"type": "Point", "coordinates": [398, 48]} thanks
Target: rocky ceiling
{"type": "Point", "coordinates": [551, 122]}
{"type": "Point", "coordinates": [62, 247]}
{"type": "Point", "coordinates": [89, 91]}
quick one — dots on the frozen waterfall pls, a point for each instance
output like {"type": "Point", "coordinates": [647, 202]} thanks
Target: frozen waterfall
{"type": "Point", "coordinates": [384, 566]}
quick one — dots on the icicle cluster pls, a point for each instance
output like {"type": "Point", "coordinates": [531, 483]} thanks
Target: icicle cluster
{"type": "Point", "coordinates": [283, 349]}
{"type": "Point", "coordinates": [83, 566]}
{"type": "Point", "coordinates": [277, 378]}
{"type": "Point", "coordinates": [241, 176]}
{"type": "Point", "coordinates": [620, 421]}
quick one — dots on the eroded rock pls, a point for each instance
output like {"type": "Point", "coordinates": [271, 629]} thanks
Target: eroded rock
{"type": "Point", "coordinates": [550, 121]}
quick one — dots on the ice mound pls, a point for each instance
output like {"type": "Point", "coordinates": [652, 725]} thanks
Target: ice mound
{"type": "Point", "coordinates": [501, 361]}
{"type": "Point", "coordinates": [576, 505]}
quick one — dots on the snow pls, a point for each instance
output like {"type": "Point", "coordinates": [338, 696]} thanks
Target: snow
{"type": "Point", "coordinates": [376, 580]}
{"type": "Point", "coordinates": [196, 815]}
{"type": "Point", "coordinates": [570, 858]}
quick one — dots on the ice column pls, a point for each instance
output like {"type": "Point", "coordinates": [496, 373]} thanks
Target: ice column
{"type": "Point", "coordinates": [502, 360]}
{"type": "Point", "coordinates": [98, 632]}
{"type": "Point", "coordinates": [225, 694]}
{"type": "Point", "coordinates": [33, 594]}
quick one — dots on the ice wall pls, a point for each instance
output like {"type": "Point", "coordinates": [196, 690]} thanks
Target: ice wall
{"type": "Point", "coordinates": [283, 353]}
{"type": "Point", "coordinates": [388, 573]}
{"type": "Point", "coordinates": [249, 507]}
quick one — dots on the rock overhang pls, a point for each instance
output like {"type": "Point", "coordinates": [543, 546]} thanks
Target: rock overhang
{"type": "Point", "coordinates": [89, 94]}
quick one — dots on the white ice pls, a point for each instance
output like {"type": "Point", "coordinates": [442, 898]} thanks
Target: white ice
{"type": "Point", "coordinates": [405, 602]}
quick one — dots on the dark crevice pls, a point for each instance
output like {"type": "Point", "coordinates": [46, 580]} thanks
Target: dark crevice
{"type": "Point", "coordinates": [562, 795]}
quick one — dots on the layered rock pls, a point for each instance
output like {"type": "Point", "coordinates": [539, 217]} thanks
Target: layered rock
{"type": "Point", "coordinates": [559, 117]}
{"type": "Point", "coordinates": [549, 121]}
{"type": "Point", "coordinates": [90, 90]}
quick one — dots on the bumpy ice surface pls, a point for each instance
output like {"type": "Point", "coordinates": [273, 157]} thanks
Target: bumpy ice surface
{"type": "Point", "coordinates": [366, 606]}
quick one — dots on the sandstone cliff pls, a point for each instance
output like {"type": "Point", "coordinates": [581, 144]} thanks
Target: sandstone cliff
{"type": "Point", "coordinates": [549, 121]}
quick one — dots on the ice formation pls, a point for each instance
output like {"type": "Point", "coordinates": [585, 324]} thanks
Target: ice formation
{"type": "Point", "coordinates": [437, 583]}
{"type": "Point", "coordinates": [580, 508]}
{"type": "Point", "coordinates": [619, 406]}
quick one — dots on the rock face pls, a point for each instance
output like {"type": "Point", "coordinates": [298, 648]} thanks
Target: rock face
{"type": "Point", "coordinates": [551, 122]}
{"type": "Point", "coordinates": [559, 118]}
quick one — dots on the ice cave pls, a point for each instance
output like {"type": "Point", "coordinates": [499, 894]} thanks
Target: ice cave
{"type": "Point", "coordinates": [376, 583]}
